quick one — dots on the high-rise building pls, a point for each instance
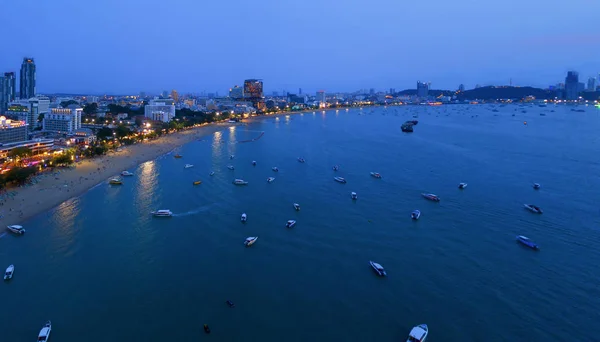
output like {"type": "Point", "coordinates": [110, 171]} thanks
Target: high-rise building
{"type": "Point", "coordinates": [591, 86]}
{"type": "Point", "coordinates": [372, 91]}
{"type": "Point", "coordinates": [37, 105]}
{"type": "Point", "coordinates": [175, 95]}
{"type": "Point", "coordinates": [253, 89]}
{"type": "Point", "coordinates": [392, 91]}
{"type": "Point", "coordinates": [422, 89]}
{"type": "Point", "coordinates": [63, 120]}
{"type": "Point", "coordinates": [572, 85]}
{"type": "Point", "coordinates": [236, 93]}
{"type": "Point", "coordinates": [320, 96]}
{"type": "Point", "coordinates": [461, 88]}
{"type": "Point", "coordinates": [27, 85]}
{"type": "Point", "coordinates": [299, 91]}
{"type": "Point", "coordinates": [12, 131]}
{"type": "Point", "coordinates": [7, 90]}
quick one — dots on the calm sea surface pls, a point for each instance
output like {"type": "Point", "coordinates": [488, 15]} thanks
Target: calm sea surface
{"type": "Point", "coordinates": [102, 269]}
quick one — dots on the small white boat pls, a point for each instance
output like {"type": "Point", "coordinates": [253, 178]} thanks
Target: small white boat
{"type": "Point", "coordinates": [162, 213]}
{"type": "Point", "coordinates": [254, 163]}
{"type": "Point", "coordinates": [339, 179]}
{"type": "Point", "coordinates": [250, 240]}
{"type": "Point", "coordinates": [378, 268]}
{"type": "Point", "coordinates": [462, 185]}
{"type": "Point", "coordinates": [240, 182]}
{"type": "Point", "coordinates": [45, 332]}
{"type": "Point", "coordinates": [9, 272]}
{"type": "Point", "coordinates": [270, 179]}
{"type": "Point", "coordinates": [418, 333]}
{"type": "Point", "coordinates": [187, 166]}
{"type": "Point", "coordinates": [301, 160]}
{"type": "Point", "coordinates": [212, 173]}
{"type": "Point", "coordinates": [297, 206]}
{"type": "Point", "coordinates": [126, 173]}
{"type": "Point", "coordinates": [353, 195]}
{"type": "Point", "coordinates": [244, 217]}
{"type": "Point", "coordinates": [415, 215]}
{"type": "Point", "coordinates": [230, 167]}
{"type": "Point", "coordinates": [274, 168]}
{"type": "Point", "coordinates": [290, 223]}
{"type": "Point", "coordinates": [536, 186]}
{"type": "Point", "coordinates": [115, 181]}
{"type": "Point", "coordinates": [15, 228]}
{"type": "Point", "coordinates": [375, 174]}
{"type": "Point", "coordinates": [335, 168]}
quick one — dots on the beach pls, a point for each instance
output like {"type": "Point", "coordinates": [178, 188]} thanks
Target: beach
{"type": "Point", "coordinates": [51, 188]}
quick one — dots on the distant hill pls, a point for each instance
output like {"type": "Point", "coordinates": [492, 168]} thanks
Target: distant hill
{"type": "Point", "coordinates": [492, 93]}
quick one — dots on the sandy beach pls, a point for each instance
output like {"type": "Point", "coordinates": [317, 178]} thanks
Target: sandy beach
{"type": "Point", "coordinates": [50, 189]}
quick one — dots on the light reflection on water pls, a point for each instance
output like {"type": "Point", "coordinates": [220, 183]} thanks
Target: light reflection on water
{"type": "Point", "coordinates": [147, 183]}
{"type": "Point", "coordinates": [232, 140]}
{"type": "Point", "coordinates": [216, 146]}
{"type": "Point", "coordinates": [66, 230]}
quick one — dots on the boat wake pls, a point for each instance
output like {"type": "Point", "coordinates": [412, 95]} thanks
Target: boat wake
{"type": "Point", "coordinates": [2, 235]}
{"type": "Point", "coordinates": [193, 212]}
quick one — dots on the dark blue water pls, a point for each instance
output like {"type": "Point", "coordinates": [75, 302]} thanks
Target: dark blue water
{"type": "Point", "coordinates": [102, 269]}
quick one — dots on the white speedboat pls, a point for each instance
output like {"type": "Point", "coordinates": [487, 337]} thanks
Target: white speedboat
{"type": "Point", "coordinates": [297, 206]}
{"type": "Point", "coordinates": [274, 168]}
{"type": "Point", "coordinates": [270, 179]}
{"type": "Point", "coordinates": [536, 186]}
{"type": "Point", "coordinates": [353, 195]}
{"type": "Point", "coordinates": [126, 173]}
{"type": "Point", "coordinates": [212, 173]}
{"type": "Point", "coordinates": [375, 174]}
{"type": "Point", "coordinates": [15, 228]}
{"type": "Point", "coordinates": [335, 168]}
{"type": "Point", "coordinates": [462, 185]}
{"type": "Point", "coordinates": [533, 208]}
{"type": "Point", "coordinates": [378, 268]}
{"type": "Point", "coordinates": [301, 160]}
{"type": "Point", "coordinates": [238, 181]}
{"type": "Point", "coordinates": [162, 213]}
{"type": "Point", "coordinates": [187, 166]}
{"type": "Point", "coordinates": [45, 332]}
{"type": "Point", "coordinates": [290, 223]}
{"type": "Point", "coordinates": [418, 333]}
{"type": "Point", "coordinates": [230, 167]}
{"type": "Point", "coordinates": [10, 270]}
{"type": "Point", "coordinates": [244, 217]}
{"type": "Point", "coordinates": [415, 215]}
{"type": "Point", "coordinates": [254, 163]}
{"type": "Point", "coordinates": [250, 240]}
{"type": "Point", "coordinates": [339, 179]}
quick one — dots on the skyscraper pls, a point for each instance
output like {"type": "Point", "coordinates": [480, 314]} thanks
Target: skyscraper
{"type": "Point", "coordinates": [27, 85]}
{"type": "Point", "coordinates": [7, 90]}
{"type": "Point", "coordinates": [253, 89]}
{"type": "Point", "coordinates": [591, 84]}
{"type": "Point", "coordinates": [422, 89]}
{"type": "Point", "coordinates": [572, 85]}
{"type": "Point", "coordinates": [461, 88]}
{"type": "Point", "coordinates": [175, 95]}
{"type": "Point", "coordinates": [320, 96]}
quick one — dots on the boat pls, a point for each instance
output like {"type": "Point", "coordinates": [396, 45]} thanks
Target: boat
{"type": "Point", "coordinates": [162, 213]}
{"type": "Point", "coordinates": [15, 228]}
{"type": "Point", "coordinates": [126, 173]}
{"type": "Point", "coordinates": [274, 168]}
{"type": "Point", "coordinates": [115, 181]}
{"type": "Point", "coordinates": [335, 168]}
{"type": "Point", "coordinates": [533, 208]}
{"type": "Point", "coordinates": [418, 333]}
{"type": "Point", "coordinates": [536, 186]}
{"type": "Point", "coordinates": [378, 268]}
{"type": "Point", "coordinates": [250, 240]}
{"type": "Point", "coordinates": [197, 182]}
{"type": "Point", "coordinates": [270, 179]}
{"type": "Point", "coordinates": [230, 167]}
{"type": "Point", "coordinates": [353, 195]}
{"type": "Point", "coordinates": [254, 163]}
{"type": "Point", "coordinates": [45, 332]}
{"type": "Point", "coordinates": [375, 174]}
{"type": "Point", "coordinates": [525, 241]}
{"type": "Point", "coordinates": [462, 185]}
{"type": "Point", "coordinates": [187, 166]}
{"type": "Point", "coordinates": [9, 272]}
{"type": "Point", "coordinates": [415, 215]}
{"type": "Point", "coordinates": [238, 181]}
{"type": "Point", "coordinates": [230, 303]}
{"type": "Point", "coordinates": [340, 179]}
{"type": "Point", "coordinates": [206, 329]}
{"type": "Point", "coordinates": [178, 156]}
{"type": "Point", "coordinates": [297, 206]}
{"type": "Point", "coordinates": [231, 156]}
{"type": "Point", "coordinates": [407, 127]}
{"type": "Point", "coordinates": [212, 173]}
{"type": "Point", "coordinates": [290, 223]}
{"type": "Point", "coordinates": [301, 160]}
{"type": "Point", "coordinates": [244, 217]}
{"type": "Point", "coordinates": [431, 197]}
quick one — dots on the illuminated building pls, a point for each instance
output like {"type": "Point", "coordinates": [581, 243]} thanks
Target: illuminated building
{"type": "Point", "coordinates": [7, 90]}
{"type": "Point", "coordinates": [236, 93]}
{"type": "Point", "coordinates": [175, 95]}
{"type": "Point", "coordinates": [37, 146]}
{"type": "Point", "coordinates": [27, 85]}
{"type": "Point", "coordinates": [12, 131]}
{"type": "Point", "coordinates": [160, 110]}
{"type": "Point", "coordinates": [422, 89]}
{"type": "Point", "coordinates": [253, 89]}
{"type": "Point", "coordinates": [320, 96]}
{"type": "Point", "coordinates": [63, 120]}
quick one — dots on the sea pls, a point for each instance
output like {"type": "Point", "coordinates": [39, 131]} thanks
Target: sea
{"type": "Point", "coordinates": [102, 269]}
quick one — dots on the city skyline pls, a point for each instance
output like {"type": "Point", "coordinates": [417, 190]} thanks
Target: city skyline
{"type": "Point", "coordinates": [355, 46]}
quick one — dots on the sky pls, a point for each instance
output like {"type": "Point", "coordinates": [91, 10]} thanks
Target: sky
{"type": "Point", "coordinates": [128, 46]}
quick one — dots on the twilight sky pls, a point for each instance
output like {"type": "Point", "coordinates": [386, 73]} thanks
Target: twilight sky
{"type": "Point", "coordinates": [128, 46]}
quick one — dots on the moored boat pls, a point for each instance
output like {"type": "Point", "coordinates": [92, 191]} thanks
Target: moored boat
{"type": "Point", "coordinates": [115, 181]}
{"type": "Point", "coordinates": [533, 208]}
{"type": "Point", "coordinates": [238, 181]}
{"type": "Point", "coordinates": [17, 229]}
{"type": "Point", "coordinates": [187, 166]}
{"type": "Point", "coordinates": [244, 217]}
{"type": "Point", "coordinates": [375, 174]}
{"type": "Point", "coordinates": [353, 195]}
{"type": "Point", "coordinates": [250, 240]}
{"type": "Point", "coordinates": [339, 179]}
{"type": "Point", "coordinates": [212, 173]}
{"type": "Point", "coordinates": [206, 329]}
{"type": "Point", "coordinates": [45, 332]}
{"type": "Point", "coordinates": [378, 268]}
{"type": "Point", "coordinates": [270, 179]}
{"type": "Point", "coordinates": [536, 186]}
{"type": "Point", "coordinates": [10, 270]}
{"type": "Point", "coordinates": [301, 160]}
{"type": "Point", "coordinates": [462, 185]}
{"type": "Point", "coordinates": [415, 215]}
{"type": "Point", "coordinates": [274, 168]}
{"type": "Point", "coordinates": [297, 206]}
{"type": "Point", "coordinates": [525, 241]}
{"type": "Point", "coordinates": [431, 197]}
{"type": "Point", "coordinates": [230, 167]}
{"type": "Point", "coordinates": [290, 223]}
{"type": "Point", "coordinates": [178, 156]}
{"type": "Point", "coordinates": [254, 163]}
{"type": "Point", "coordinates": [198, 182]}
{"type": "Point", "coordinates": [162, 213]}
{"type": "Point", "coordinates": [126, 173]}
{"type": "Point", "coordinates": [418, 333]}
{"type": "Point", "coordinates": [335, 167]}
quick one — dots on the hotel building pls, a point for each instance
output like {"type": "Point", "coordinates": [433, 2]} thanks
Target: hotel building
{"type": "Point", "coordinates": [12, 131]}
{"type": "Point", "coordinates": [63, 120]}
{"type": "Point", "coordinates": [160, 110]}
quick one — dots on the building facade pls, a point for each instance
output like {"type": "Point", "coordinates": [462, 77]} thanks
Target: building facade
{"type": "Point", "coordinates": [63, 120]}
{"type": "Point", "coordinates": [36, 146]}
{"type": "Point", "coordinates": [236, 93]}
{"type": "Point", "coordinates": [320, 96]}
{"type": "Point", "coordinates": [37, 106]}
{"type": "Point", "coordinates": [7, 90]}
{"type": "Point", "coordinates": [12, 131]}
{"type": "Point", "coordinates": [253, 89]}
{"type": "Point", "coordinates": [572, 85]}
{"type": "Point", "coordinates": [591, 84]}
{"type": "Point", "coordinates": [160, 110]}
{"type": "Point", "coordinates": [422, 89]}
{"type": "Point", "coordinates": [27, 85]}
{"type": "Point", "coordinates": [18, 112]}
